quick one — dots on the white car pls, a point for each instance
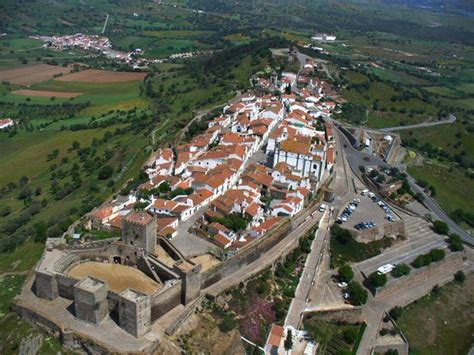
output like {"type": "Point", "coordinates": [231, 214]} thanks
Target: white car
{"type": "Point", "coordinates": [346, 295]}
{"type": "Point", "coordinates": [342, 284]}
{"type": "Point", "coordinates": [323, 208]}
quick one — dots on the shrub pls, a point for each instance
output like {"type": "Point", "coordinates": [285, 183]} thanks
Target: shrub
{"type": "Point", "coordinates": [5, 211]}
{"type": "Point", "coordinates": [437, 255]}
{"type": "Point", "coordinates": [350, 335]}
{"type": "Point", "coordinates": [358, 295]}
{"type": "Point", "coordinates": [455, 243]}
{"type": "Point", "coordinates": [396, 312]}
{"type": "Point", "coordinates": [345, 273]}
{"type": "Point", "coordinates": [440, 227]}
{"type": "Point", "coordinates": [377, 279]}
{"type": "Point", "coordinates": [227, 324]}
{"type": "Point", "coordinates": [106, 172]}
{"type": "Point", "coordinates": [460, 276]}
{"type": "Point", "coordinates": [401, 270]}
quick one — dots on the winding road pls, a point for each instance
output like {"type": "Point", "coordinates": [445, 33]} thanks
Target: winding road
{"type": "Point", "coordinates": [450, 119]}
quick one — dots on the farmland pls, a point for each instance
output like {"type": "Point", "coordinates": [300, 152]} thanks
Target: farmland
{"type": "Point", "coordinates": [101, 76]}
{"type": "Point", "coordinates": [32, 74]}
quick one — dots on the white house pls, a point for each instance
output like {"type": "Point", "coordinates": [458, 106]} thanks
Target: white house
{"type": "Point", "coordinates": [6, 122]}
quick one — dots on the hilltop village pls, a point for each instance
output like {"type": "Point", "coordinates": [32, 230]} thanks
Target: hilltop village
{"type": "Point", "coordinates": [194, 222]}
{"type": "Point", "coordinates": [258, 162]}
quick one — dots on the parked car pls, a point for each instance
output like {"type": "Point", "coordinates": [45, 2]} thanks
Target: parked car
{"type": "Point", "coordinates": [345, 295]}
{"type": "Point", "coordinates": [342, 284]}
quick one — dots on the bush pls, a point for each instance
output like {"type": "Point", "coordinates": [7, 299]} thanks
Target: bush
{"type": "Point", "coordinates": [455, 243]}
{"type": "Point", "coordinates": [357, 294]}
{"type": "Point", "coordinates": [396, 312]}
{"type": "Point", "coordinates": [377, 279]}
{"type": "Point", "coordinates": [401, 270]}
{"type": "Point", "coordinates": [106, 172]}
{"type": "Point", "coordinates": [5, 211]}
{"type": "Point", "coordinates": [425, 259]}
{"type": "Point", "coordinates": [345, 273]}
{"type": "Point", "coordinates": [440, 227]}
{"type": "Point", "coordinates": [342, 235]}
{"type": "Point", "coordinates": [460, 276]}
{"type": "Point", "coordinates": [350, 335]}
{"type": "Point", "coordinates": [437, 255]}
{"type": "Point", "coordinates": [227, 324]}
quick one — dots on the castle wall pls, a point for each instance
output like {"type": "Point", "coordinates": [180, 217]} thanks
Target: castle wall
{"type": "Point", "coordinates": [165, 300]}
{"type": "Point", "coordinates": [244, 257]}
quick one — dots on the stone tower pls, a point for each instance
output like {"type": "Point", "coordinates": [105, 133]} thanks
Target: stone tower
{"type": "Point", "coordinates": [139, 230]}
{"type": "Point", "coordinates": [191, 281]}
{"type": "Point", "coordinates": [135, 312]}
{"type": "Point", "coordinates": [90, 300]}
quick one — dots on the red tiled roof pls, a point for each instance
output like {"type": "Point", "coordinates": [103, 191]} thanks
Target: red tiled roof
{"type": "Point", "coordinates": [139, 217]}
{"type": "Point", "coordinates": [275, 336]}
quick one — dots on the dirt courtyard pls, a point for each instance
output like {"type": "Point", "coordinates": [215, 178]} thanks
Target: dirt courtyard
{"type": "Point", "coordinates": [40, 93]}
{"type": "Point", "coordinates": [206, 260]}
{"type": "Point", "coordinates": [118, 277]}
{"type": "Point", "coordinates": [101, 76]}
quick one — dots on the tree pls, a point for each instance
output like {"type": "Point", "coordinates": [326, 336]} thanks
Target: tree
{"type": "Point", "coordinates": [440, 227]}
{"type": "Point", "coordinates": [460, 276]}
{"type": "Point", "coordinates": [106, 172]}
{"type": "Point", "coordinates": [400, 270]}
{"type": "Point", "coordinates": [455, 242]}
{"type": "Point", "coordinates": [25, 193]}
{"type": "Point", "coordinates": [38, 191]}
{"type": "Point", "coordinates": [357, 294]}
{"type": "Point", "coordinates": [288, 341]}
{"type": "Point", "coordinates": [345, 273]}
{"type": "Point", "coordinates": [377, 279]}
{"type": "Point", "coordinates": [227, 324]}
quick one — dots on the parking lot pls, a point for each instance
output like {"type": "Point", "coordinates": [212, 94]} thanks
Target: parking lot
{"type": "Point", "coordinates": [365, 213]}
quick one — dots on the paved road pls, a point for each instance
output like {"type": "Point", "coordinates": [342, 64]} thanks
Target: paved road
{"type": "Point", "coordinates": [450, 119]}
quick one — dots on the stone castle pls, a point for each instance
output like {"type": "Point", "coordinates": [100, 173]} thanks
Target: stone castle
{"type": "Point", "coordinates": [90, 306]}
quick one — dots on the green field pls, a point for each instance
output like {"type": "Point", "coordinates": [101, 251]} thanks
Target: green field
{"type": "Point", "coordinates": [441, 324]}
{"type": "Point", "coordinates": [452, 186]}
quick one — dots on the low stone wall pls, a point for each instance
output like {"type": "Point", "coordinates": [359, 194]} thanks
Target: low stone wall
{"type": "Point", "coordinates": [372, 234]}
{"type": "Point", "coordinates": [165, 299]}
{"type": "Point", "coordinates": [402, 349]}
{"type": "Point", "coordinates": [245, 256]}
{"type": "Point", "coordinates": [345, 315]}
{"type": "Point", "coordinates": [452, 263]}
{"type": "Point", "coordinates": [36, 318]}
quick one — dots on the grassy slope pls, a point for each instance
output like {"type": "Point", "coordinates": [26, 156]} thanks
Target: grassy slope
{"type": "Point", "coordinates": [452, 190]}
{"type": "Point", "coordinates": [442, 324]}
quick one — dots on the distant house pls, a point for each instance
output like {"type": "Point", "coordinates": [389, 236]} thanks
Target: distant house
{"type": "Point", "coordinates": [6, 122]}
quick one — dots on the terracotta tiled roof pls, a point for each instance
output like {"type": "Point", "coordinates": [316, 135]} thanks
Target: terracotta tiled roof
{"type": "Point", "coordinates": [275, 336]}
{"type": "Point", "coordinates": [221, 240]}
{"type": "Point", "coordinates": [139, 217]}
{"type": "Point", "coordinates": [295, 147]}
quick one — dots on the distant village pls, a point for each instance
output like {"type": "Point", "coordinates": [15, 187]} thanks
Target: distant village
{"type": "Point", "coordinates": [257, 163]}
{"type": "Point", "coordinates": [102, 45]}
{"type": "Point", "coordinates": [96, 44]}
